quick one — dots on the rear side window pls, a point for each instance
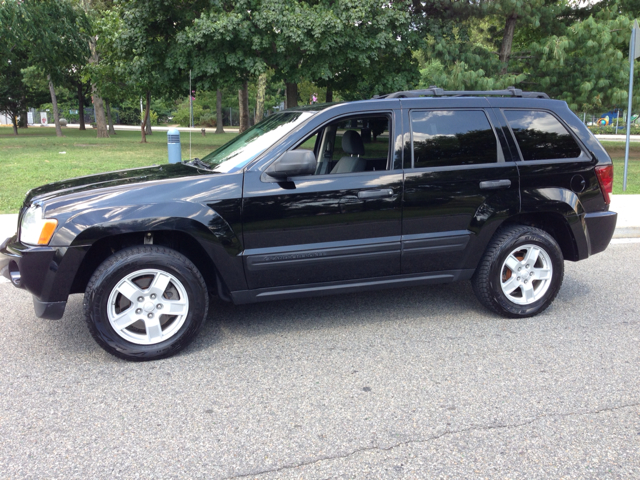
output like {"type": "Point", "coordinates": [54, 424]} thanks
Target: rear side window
{"type": "Point", "coordinates": [452, 137]}
{"type": "Point", "coordinates": [541, 136]}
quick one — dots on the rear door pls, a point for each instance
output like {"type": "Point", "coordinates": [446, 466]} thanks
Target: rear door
{"type": "Point", "coordinates": [460, 184]}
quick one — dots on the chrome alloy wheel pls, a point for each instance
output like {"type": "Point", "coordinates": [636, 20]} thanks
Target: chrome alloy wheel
{"type": "Point", "coordinates": [526, 274]}
{"type": "Point", "coordinates": [147, 306]}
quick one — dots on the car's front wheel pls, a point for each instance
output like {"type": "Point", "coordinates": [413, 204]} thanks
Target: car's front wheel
{"type": "Point", "coordinates": [145, 303]}
{"type": "Point", "coordinates": [520, 273]}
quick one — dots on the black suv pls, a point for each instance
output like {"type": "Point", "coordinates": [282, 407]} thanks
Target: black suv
{"type": "Point", "coordinates": [412, 188]}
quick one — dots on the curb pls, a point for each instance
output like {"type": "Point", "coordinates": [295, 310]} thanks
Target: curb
{"type": "Point", "coordinates": [627, 232]}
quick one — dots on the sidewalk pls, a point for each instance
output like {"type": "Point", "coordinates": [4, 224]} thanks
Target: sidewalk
{"type": "Point", "coordinates": [618, 138]}
{"type": "Point", "coordinates": [627, 206]}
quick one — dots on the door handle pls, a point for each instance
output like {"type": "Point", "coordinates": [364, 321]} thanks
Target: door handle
{"type": "Point", "coordinates": [495, 184]}
{"type": "Point", "coordinates": [385, 192]}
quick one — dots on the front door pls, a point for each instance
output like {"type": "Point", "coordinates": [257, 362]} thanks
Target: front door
{"type": "Point", "coordinates": [341, 224]}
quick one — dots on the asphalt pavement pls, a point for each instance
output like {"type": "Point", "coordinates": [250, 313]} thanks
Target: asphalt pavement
{"type": "Point", "coordinates": [405, 383]}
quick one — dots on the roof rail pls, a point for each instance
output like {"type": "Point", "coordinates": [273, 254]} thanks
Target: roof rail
{"type": "Point", "coordinates": [434, 91]}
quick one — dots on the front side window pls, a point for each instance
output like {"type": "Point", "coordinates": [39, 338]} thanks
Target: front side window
{"type": "Point", "coordinates": [541, 136]}
{"type": "Point", "coordinates": [350, 145]}
{"type": "Point", "coordinates": [452, 137]}
{"type": "Point", "coordinates": [248, 145]}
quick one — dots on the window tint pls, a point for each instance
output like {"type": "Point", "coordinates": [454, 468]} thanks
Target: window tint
{"type": "Point", "coordinates": [452, 137]}
{"type": "Point", "coordinates": [541, 136]}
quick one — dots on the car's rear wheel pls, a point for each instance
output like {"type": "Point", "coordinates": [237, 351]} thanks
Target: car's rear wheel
{"type": "Point", "coordinates": [145, 303]}
{"type": "Point", "coordinates": [520, 273]}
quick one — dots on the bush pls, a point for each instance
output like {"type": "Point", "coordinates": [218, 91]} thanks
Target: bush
{"type": "Point", "coordinates": [207, 120]}
{"type": "Point", "coordinates": [611, 129]}
{"type": "Point", "coordinates": [129, 116]}
{"type": "Point", "coordinates": [181, 115]}
{"type": "Point", "coordinates": [153, 117]}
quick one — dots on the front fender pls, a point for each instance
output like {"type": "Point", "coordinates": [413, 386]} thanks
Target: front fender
{"type": "Point", "coordinates": [218, 238]}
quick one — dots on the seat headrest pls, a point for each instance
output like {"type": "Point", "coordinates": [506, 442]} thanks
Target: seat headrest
{"type": "Point", "coordinates": [352, 143]}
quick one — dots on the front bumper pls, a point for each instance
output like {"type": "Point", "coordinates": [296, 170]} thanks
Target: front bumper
{"type": "Point", "coordinates": [45, 272]}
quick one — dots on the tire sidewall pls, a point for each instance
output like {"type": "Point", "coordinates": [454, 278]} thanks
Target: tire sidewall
{"type": "Point", "coordinates": [99, 322]}
{"type": "Point", "coordinates": [542, 240]}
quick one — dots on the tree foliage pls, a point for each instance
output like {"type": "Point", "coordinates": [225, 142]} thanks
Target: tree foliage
{"type": "Point", "coordinates": [578, 54]}
{"type": "Point", "coordinates": [327, 42]}
{"type": "Point", "coordinates": [356, 48]}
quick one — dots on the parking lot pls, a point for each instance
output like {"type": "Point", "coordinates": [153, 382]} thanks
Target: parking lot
{"type": "Point", "coordinates": [421, 382]}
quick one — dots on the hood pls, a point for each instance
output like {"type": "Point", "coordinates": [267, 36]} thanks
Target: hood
{"type": "Point", "coordinates": [111, 179]}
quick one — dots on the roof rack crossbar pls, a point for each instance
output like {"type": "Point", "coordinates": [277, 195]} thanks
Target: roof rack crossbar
{"type": "Point", "coordinates": [434, 91]}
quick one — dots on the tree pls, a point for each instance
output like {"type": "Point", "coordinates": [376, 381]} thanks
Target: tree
{"type": "Point", "coordinates": [56, 34]}
{"type": "Point", "coordinates": [243, 100]}
{"type": "Point", "coordinates": [320, 41]}
{"type": "Point", "coordinates": [262, 88]}
{"type": "Point", "coordinates": [13, 97]}
{"type": "Point", "coordinates": [574, 53]}
{"type": "Point", "coordinates": [107, 74]}
{"type": "Point", "coordinates": [144, 42]}
{"type": "Point", "coordinates": [18, 90]}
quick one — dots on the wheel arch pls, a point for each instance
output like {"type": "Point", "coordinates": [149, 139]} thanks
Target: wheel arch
{"type": "Point", "coordinates": [212, 249]}
{"type": "Point", "coordinates": [555, 225]}
{"type": "Point", "coordinates": [179, 241]}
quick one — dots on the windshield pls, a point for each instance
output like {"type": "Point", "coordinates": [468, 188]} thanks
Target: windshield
{"type": "Point", "coordinates": [248, 145]}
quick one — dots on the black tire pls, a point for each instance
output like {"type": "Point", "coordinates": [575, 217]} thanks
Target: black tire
{"type": "Point", "coordinates": [185, 281]}
{"type": "Point", "coordinates": [492, 272]}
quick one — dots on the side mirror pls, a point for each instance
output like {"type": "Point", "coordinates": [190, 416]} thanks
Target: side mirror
{"type": "Point", "coordinates": [293, 164]}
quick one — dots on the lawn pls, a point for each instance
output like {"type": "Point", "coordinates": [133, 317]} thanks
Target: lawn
{"type": "Point", "coordinates": [36, 157]}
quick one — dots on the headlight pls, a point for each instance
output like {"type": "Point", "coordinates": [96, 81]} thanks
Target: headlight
{"type": "Point", "coordinates": [36, 230]}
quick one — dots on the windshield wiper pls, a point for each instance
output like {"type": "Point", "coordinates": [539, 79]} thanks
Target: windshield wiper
{"type": "Point", "coordinates": [196, 162]}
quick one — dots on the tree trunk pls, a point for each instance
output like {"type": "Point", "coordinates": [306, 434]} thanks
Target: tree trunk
{"type": "Point", "coordinates": [14, 122]}
{"type": "Point", "coordinates": [146, 115]}
{"type": "Point", "coordinates": [262, 88]}
{"type": "Point", "coordinates": [219, 126]}
{"type": "Point", "coordinates": [507, 41]}
{"type": "Point", "coordinates": [23, 119]}
{"type": "Point", "coordinates": [329, 96]}
{"type": "Point", "coordinates": [81, 106]}
{"type": "Point", "coordinates": [54, 101]}
{"type": "Point", "coordinates": [148, 130]}
{"type": "Point", "coordinates": [243, 100]}
{"type": "Point", "coordinates": [101, 120]}
{"type": "Point", "coordinates": [112, 131]}
{"type": "Point", "coordinates": [291, 95]}
{"type": "Point", "coordinates": [98, 106]}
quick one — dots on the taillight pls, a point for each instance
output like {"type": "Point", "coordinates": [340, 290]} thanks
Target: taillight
{"type": "Point", "coordinates": [605, 178]}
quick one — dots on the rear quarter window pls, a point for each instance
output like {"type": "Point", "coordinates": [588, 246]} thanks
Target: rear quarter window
{"type": "Point", "coordinates": [541, 136]}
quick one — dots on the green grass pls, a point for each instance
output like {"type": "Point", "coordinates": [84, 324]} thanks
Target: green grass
{"type": "Point", "coordinates": [33, 157]}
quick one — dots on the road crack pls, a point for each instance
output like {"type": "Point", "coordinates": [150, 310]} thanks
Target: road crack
{"type": "Point", "coordinates": [473, 428]}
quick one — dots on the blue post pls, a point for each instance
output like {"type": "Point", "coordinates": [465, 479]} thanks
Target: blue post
{"type": "Point", "coordinates": [173, 144]}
